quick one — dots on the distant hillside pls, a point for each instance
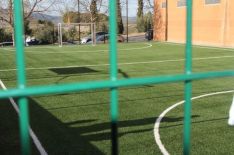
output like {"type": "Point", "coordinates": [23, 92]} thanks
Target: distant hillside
{"type": "Point", "coordinates": [39, 16]}
{"type": "Point", "coordinates": [58, 19]}
{"type": "Point", "coordinates": [131, 20]}
{"type": "Point", "coordinates": [54, 19]}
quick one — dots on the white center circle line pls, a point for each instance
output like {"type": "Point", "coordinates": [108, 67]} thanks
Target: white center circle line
{"type": "Point", "coordinates": [162, 115]}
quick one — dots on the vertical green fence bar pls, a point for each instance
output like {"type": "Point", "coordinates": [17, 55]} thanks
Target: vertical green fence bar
{"type": "Point", "coordinates": [23, 103]}
{"type": "Point", "coordinates": [188, 84]}
{"type": "Point", "coordinates": [113, 76]}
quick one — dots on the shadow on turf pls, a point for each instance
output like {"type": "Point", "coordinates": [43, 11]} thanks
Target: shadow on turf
{"type": "Point", "coordinates": [125, 75]}
{"type": "Point", "coordinates": [106, 103]}
{"type": "Point", "coordinates": [75, 137]}
{"type": "Point", "coordinates": [58, 137]}
{"type": "Point", "coordinates": [73, 70]}
{"type": "Point", "coordinates": [9, 139]}
{"type": "Point", "coordinates": [197, 122]}
{"type": "Point", "coordinates": [78, 136]}
{"type": "Point", "coordinates": [173, 119]}
{"type": "Point", "coordinates": [9, 129]}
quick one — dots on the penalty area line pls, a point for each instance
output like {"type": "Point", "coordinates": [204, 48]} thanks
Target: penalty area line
{"type": "Point", "coordinates": [35, 139]}
{"type": "Point", "coordinates": [121, 64]}
{"type": "Point", "coordinates": [230, 49]}
{"type": "Point", "coordinates": [162, 115]}
{"type": "Point", "coordinates": [149, 45]}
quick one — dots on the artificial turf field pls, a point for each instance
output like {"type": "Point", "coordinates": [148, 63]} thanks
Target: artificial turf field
{"type": "Point", "coordinates": [79, 123]}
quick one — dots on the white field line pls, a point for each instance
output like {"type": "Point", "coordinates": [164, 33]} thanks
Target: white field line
{"type": "Point", "coordinates": [200, 46]}
{"type": "Point", "coordinates": [31, 132]}
{"type": "Point", "coordinates": [94, 51]}
{"type": "Point", "coordinates": [159, 119]}
{"type": "Point", "coordinates": [120, 64]}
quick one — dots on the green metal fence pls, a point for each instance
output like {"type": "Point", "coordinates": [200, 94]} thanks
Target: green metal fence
{"type": "Point", "coordinates": [22, 92]}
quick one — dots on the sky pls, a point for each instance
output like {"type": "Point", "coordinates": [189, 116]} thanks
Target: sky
{"type": "Point", "coordinates": [132, 8]}
{"type": "Point", "coordinates": [132, 11]}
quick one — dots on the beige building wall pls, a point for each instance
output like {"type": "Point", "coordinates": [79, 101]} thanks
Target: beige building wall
{"type": "Point", "coordinates": [159, 21]}
{"type": "Point", "coordinates": [213, 24]}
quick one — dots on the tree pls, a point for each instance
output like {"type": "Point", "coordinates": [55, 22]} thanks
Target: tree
{"type": "Point", "coordinates": [29, 7]}
{"type": "Point", "coordinates": [148, 21]}
{"type": "Point", "coordinates": [140, 24]}
{"type": "Point", "coordinates": [91, 7]}
{"type": "Point", "coordinates": [70, 17]}
{"type": "Point", "coordinates": [71, 34]}
{"type": "Point", "coordinates": [93, 11]}
{"type": "Point", "coordinates": [1, 35]}
{"type": "Point", "coordinates": [120, 26]}
{"type": "Point", "coordinates": [149, 5]}
{"type": "Point", "coordinates": [90, 11]}
{"type": "Point", "coordinates": [101, 5]}
{"type": "Point", "coordinates": [140, 18]}
{"type": "Point", "coordinates": [27, 29]}
{"type": "Point", "coordinates": [84, 17]}
{"type": "Point", "coordinates": [4, 36]}
{"type": "Point", "coordinates": [140, 8]}
{"type": "Point", "coordinates": [44, 32]}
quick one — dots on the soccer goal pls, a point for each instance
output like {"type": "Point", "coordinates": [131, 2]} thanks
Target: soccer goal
{"type": "Point", "coordinates": [75, 33]}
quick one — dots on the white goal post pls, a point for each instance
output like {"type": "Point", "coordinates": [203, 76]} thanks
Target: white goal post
{"type": "Point", "coordinates": [65, 26]}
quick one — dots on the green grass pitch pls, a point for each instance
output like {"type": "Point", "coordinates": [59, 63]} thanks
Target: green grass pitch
{"type": "Point", "coordinates": [78, 123]}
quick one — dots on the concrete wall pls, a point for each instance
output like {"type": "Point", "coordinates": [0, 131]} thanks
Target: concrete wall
{"type": "Point", "coordinates": [213, 24]}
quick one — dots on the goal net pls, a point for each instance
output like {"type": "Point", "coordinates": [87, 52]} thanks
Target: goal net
{"type": "Point", "coordinates": [76, 33]}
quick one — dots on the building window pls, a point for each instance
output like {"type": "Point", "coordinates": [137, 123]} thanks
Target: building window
{"type": "Point", "coordinates": [164, 5]}
{"type": "Point", "coordinates": [181, 3]}
{"type": "Point", "coordinates": [212, 1]}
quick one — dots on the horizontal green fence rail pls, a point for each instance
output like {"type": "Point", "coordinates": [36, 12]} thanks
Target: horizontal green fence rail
{"type": "Point", "coordinates": [113, 83]}
{"type": "Point", "coordinates": [73, 87]}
